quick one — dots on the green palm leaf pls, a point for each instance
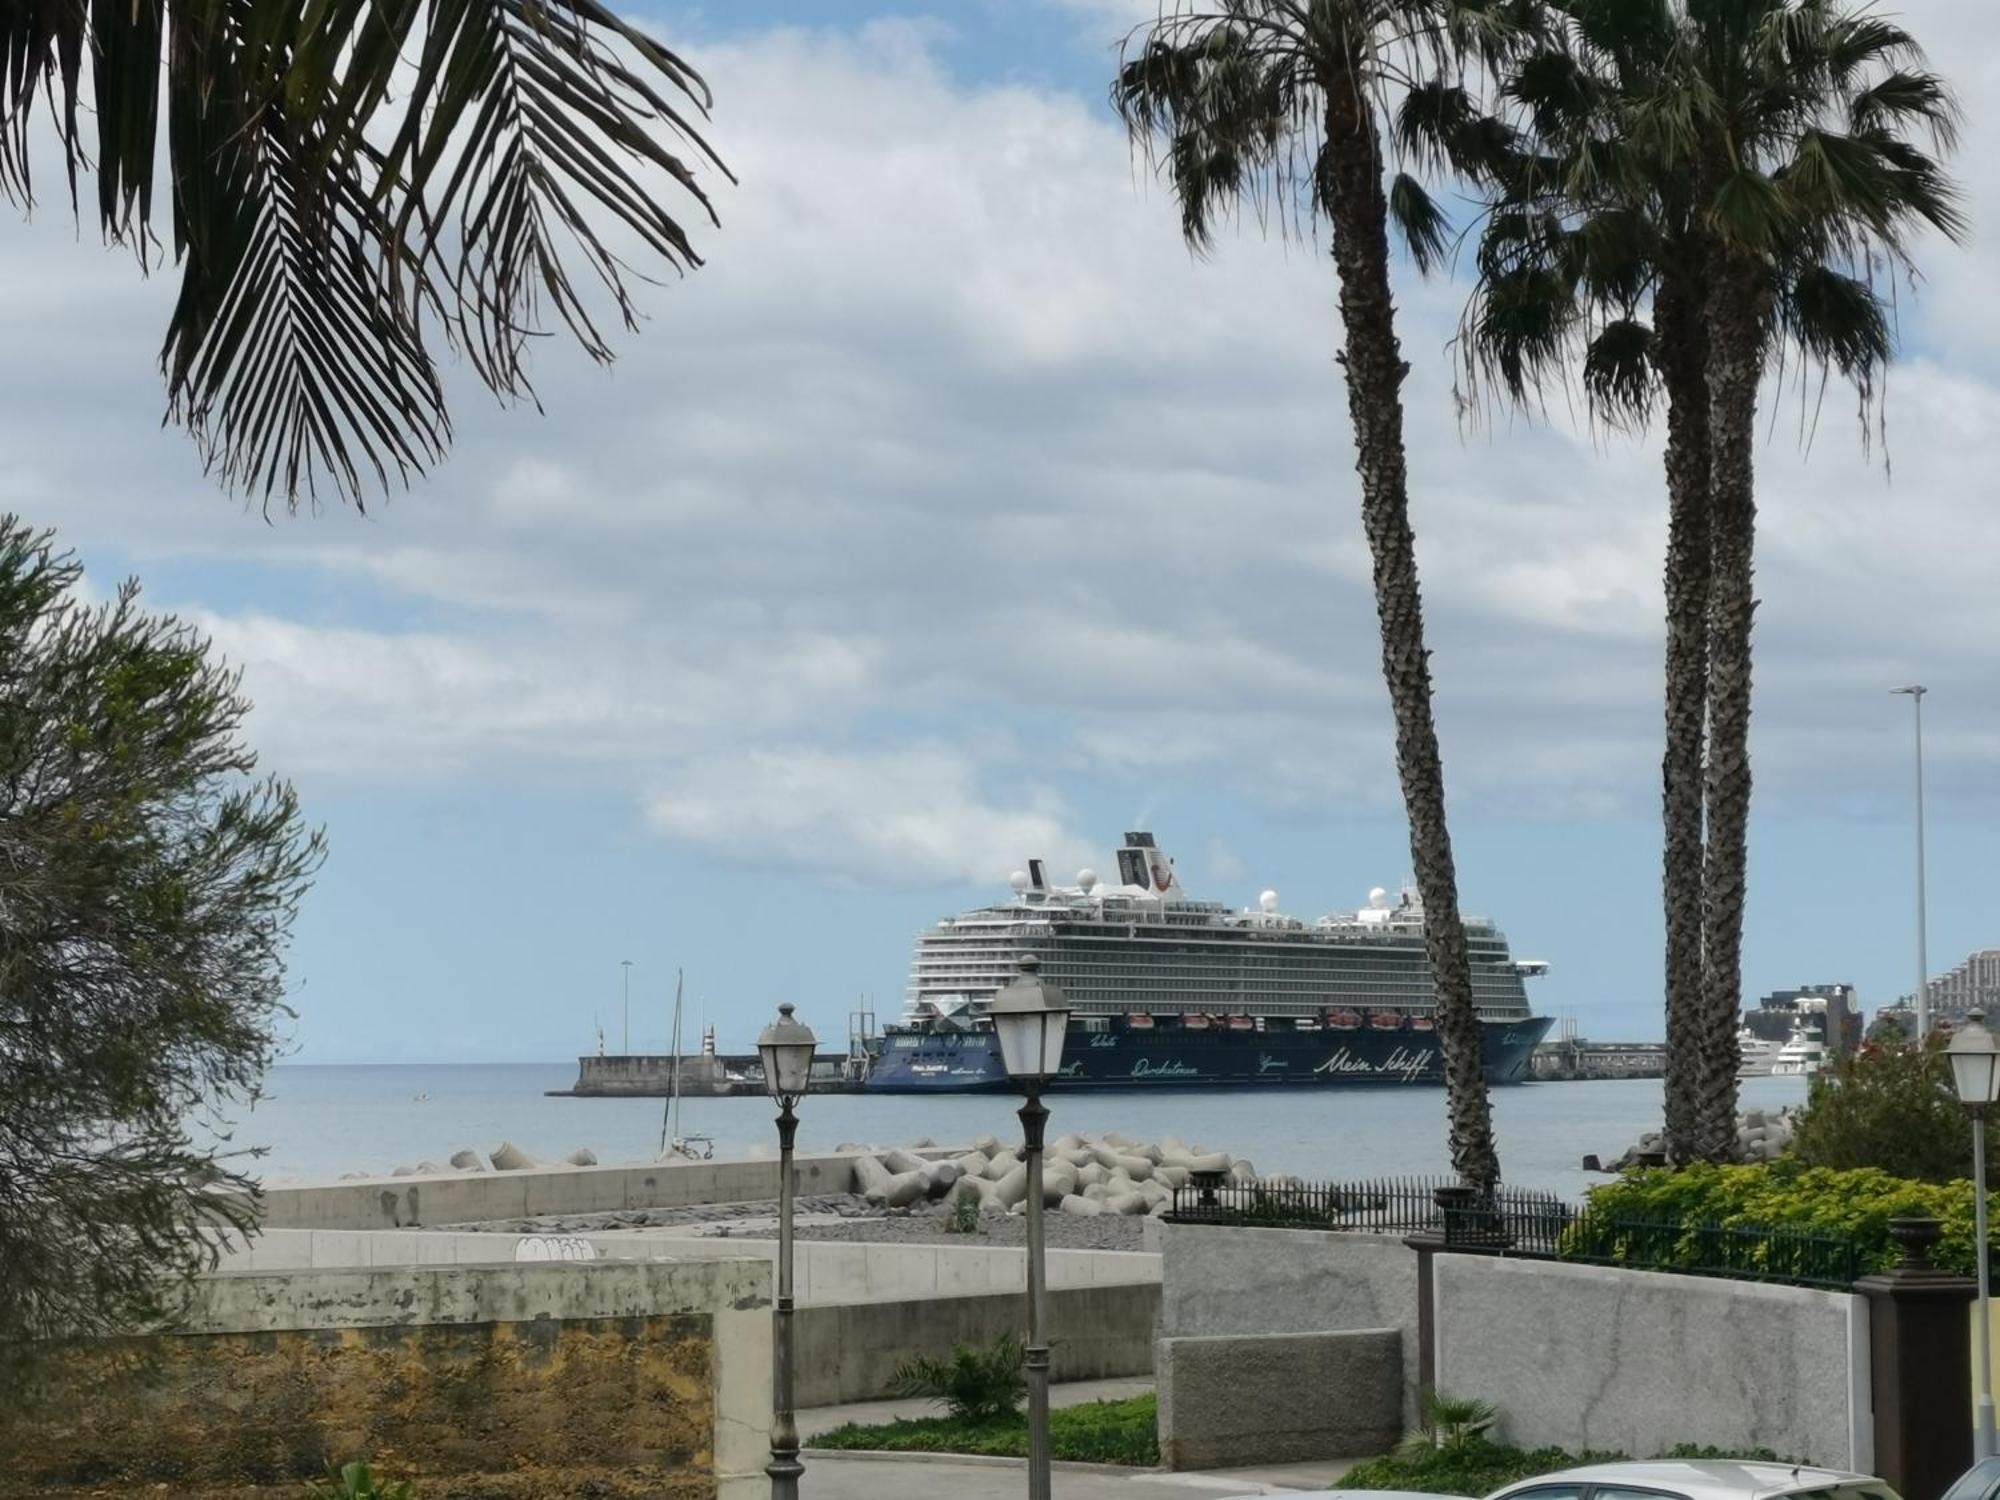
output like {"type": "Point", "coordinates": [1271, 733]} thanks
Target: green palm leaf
{"type": "Point", "coordinates": [346, 176]}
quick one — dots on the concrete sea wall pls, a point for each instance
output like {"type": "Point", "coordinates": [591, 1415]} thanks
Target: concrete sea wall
{"type": "Point", "coordinates": [824, 1270]}
{"type": "Point", "coordinates": [478, 1197]}
{"type": "Point", "coordinates": [529, 1382]}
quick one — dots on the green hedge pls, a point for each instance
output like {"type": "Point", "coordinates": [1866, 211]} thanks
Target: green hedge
{"type": "Point", "coordinates": [1787, 1194]}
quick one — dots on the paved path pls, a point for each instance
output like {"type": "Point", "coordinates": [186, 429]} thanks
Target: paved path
{"type": "Point", "coordinates": [924, 1476]}
{"type": "Point", "coordinates": [844, 1476]}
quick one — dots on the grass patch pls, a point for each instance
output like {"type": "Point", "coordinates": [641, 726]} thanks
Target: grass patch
{"type": "Point", "coordinates": [1478, 1467]}
{"type": "Point", "coordinates": [1097, 1432]}
{"type": "Point", "coordinates": [1474, 1467]}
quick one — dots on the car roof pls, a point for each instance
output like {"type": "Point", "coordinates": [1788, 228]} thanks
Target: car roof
{"type": "Point", "coordinates": [1702, 1478]}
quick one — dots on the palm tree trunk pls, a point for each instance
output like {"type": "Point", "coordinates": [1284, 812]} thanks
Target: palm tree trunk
{"type": "Point", "coordinates": [1350, 190]}
{"type": "Point", "coordinates": [1739, 312]}
{"type": "Point", "coordinates": [1682, 333]}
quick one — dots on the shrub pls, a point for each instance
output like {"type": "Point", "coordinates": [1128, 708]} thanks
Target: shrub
{"type": "Point", "coordinates": [1788, 1194]}
{"type": "Point", "coordinates": [1451, 1424]}
{"type": "Point", "coordinates": [354, 1482]}
{"type": "Point", "coordinates": [1890, 1106]}
{"type": "Point", "coordinates": [964, 1215]}
{"type": "Point", "coordinates": [972, 1385]}
{"type": "Point", "coordinates": [1098, 1432]}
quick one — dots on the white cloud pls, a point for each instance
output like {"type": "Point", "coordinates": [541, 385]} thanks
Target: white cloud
{"type": "Point", "coordinates": [952, 445]}
{"type": "Point", "coordinates": [910, 816]}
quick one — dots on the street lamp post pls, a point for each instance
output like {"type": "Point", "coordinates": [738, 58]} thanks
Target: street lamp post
{"type": "Point", "coordinates": [1975, 1073]}
{"type": "Point", "coordinates": [1031, 1018]}
{"type": "Point", "coordinates": [786, 1046]}
{"type": "Point", "coordinates": [626, 1045]}
{"type": "Point", "coordinates": [1922, 999]}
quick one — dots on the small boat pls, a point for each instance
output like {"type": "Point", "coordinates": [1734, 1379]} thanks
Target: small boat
{"type": "Point", "coordinates": [1194, 1023]}
{"type": "Point", "coordinates": [1344, 1020]}
{"type": "Point", "coordinates": [1138, 1020]}
{"type": "Point", "coordinates": [1386, 1020]}
{"type": "Point", "coordinates": [1422, 1023]}
{"type": "Point", "coordinates": [1242, 1023]}
{"type": "Point", "coordinates": [1305, 1023]}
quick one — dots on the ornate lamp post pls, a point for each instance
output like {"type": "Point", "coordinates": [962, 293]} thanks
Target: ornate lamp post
{"type": "Point", "coordinates": [1975, 1073]}
{"type": "Point", "coordinates": [787, 1048]}
{"type": "Point", "coordinates": [1031, 1019]}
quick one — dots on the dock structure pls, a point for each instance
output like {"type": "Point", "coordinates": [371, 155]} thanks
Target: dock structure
{"type": "Point", "coordinates": [705, 1075]}
{"type": "Point", "coordinates": [1571, 1057]}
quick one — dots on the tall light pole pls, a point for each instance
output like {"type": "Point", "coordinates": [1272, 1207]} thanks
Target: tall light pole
{"type": "Point", "coordinates": [1975, 1074]}
{"type": "Point", "coordinates": [1922, 999]}
{"type": "Point", "coordinates": [1031, 1018]}
{"type": "Point", "coordinates": [786, 1046]}
{"type": "Point", "coordinates": [626, 1045]}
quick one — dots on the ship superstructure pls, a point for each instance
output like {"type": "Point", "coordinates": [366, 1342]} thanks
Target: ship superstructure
{"type": "Point", "coordinates": [1167, 988]}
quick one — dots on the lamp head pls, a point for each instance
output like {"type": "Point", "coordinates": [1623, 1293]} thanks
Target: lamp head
{"type": "Point", "coordinates": [787, 1046]}
{"type": "Point", "coordinates": [1975, 1062]}
{"type": "Point", "coordinates": [1031, 1018]}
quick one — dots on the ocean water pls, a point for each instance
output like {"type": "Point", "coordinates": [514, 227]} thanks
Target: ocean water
{"type": "Point", "coordinates": [321, 1121]}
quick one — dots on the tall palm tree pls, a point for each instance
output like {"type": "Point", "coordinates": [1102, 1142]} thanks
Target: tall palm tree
{"type": "Point", "coordinates": [1281, 102]}
{"type": "Point", "coordinates": [1735, 163]}
{"type": "Point", "coordinates": [344, 177]}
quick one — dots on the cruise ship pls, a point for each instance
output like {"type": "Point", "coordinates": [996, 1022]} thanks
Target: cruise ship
{"type": "Point", "coordinates": [1169, 991]}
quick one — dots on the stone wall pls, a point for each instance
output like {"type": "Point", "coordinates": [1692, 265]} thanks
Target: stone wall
{"type": "Point", "coordinates": [538, 1382]}
{"type": "Point", "coordinates": [1275, 1398]}
{"type": "Point", "coordinates": [1638, 1361]}
{"type": "Point", "coordinates": [849, 1352]}
{"type": "Point", "coordinates": [1217, 1280]}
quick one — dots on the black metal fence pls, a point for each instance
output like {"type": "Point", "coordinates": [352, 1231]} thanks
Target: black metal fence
{"type": "Point", "coordinates": [1528, 1224]}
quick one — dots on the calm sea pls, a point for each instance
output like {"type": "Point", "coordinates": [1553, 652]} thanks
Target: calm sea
{"type": "Point", "coordinates": [322, 1121]}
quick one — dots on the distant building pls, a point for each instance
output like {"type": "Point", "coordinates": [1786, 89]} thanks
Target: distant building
{"type": "Point", "coordinates": [1973, 985]}
{"type": "Point", "coordinates": [1829, 1013]}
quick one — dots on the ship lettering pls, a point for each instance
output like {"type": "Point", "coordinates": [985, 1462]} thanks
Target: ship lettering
{"type": "Point", "coordinates": [1403, 1061]}
{"type": "Point", "coordinates": [1266, 1063]}
{"type": "Point", "coordinates": [1145, 1069]}
{"type": "Point", "coordinates": [1104, 1039]}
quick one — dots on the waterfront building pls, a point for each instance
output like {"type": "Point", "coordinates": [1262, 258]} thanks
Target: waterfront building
{"type": "Point", "coordinates": [1827, 1014]}
{"type": "Point", "coordinates": [1973, 985]}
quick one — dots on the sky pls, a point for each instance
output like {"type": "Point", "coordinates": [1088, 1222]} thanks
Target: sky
{"type": "Point", "coordinates": [954, 514]}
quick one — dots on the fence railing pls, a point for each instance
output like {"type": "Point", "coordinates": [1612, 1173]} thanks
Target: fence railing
{"type": "Point", "coordinates": [1524, 1223]}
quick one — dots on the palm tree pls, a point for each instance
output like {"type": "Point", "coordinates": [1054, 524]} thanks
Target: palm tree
{"type": "Point", "coordinates": [1280, 101]}
{"type": "Point", "coordinates": [1735, 162]}
{"type": "Point", "coordinates": [345, 176]}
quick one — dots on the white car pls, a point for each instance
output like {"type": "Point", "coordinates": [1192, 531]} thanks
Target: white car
{"type": "Point", "coordinates": [1697, 1479]}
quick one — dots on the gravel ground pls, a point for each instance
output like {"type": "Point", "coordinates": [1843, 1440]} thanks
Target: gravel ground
{"type": "Point", "coordinates": [835, 1217]}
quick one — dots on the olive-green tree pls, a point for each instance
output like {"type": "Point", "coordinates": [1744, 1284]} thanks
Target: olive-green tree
{"type": "Point", "coordinates": [148, 882]}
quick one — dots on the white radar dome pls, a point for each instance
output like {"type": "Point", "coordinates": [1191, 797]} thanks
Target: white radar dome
{"type": "Point", "coordinates": [1086, 881]}
{"type": "Point", "coordinates": [1379, 899]}
{"type": "Point", "coordinates": [1018, 880]}
{"type": "Point", "coordinates": [1269, 901]}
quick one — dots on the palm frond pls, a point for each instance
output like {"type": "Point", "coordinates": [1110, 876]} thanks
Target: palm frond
{"type": "Point", "coordinates": [1748, 212]}
{"type": "Point", "coordinates": [1618, 372]}
{"type": "Point", "coordinates": [529, 119]}
{"type": "Point", "coordinates": [326, 205]}
{"type": "Point", "coordinates": [1839, 321]}
{"type": "Point", "coordinates": [1903, 98]}
{"type": "Point", "coordinates": [1423, 226]}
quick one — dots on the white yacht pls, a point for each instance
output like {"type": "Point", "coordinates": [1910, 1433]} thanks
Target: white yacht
{"type": "Point", "coordinates": [1759, 1055]}
{"type": "Point", "coordinates": [1804, 1053]}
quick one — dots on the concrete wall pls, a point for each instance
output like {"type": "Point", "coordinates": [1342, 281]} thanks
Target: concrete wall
{"type": "Point", "coordinates": [525, 1381]}
{"type": "Point", "coordinates": [1637, 1361]}
{"type": "Point", "coordinates": [477, 1197]}
{"type": "Point", "coordinates": [1279, 1397]}
{"type": "Point", "coordinates": [850, 1351]}
{"type": "Point", "coordinates": [1217, 1280]}
{"type": "Point", "coordinates": [825, 1270]}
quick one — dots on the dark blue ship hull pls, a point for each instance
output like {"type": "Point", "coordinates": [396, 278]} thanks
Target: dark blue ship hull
{"type": "Point", "coordinates": [926, 1062]}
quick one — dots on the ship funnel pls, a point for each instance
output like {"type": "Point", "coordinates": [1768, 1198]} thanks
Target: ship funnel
{"type": "Point", "coordinates": [1143, 867]}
